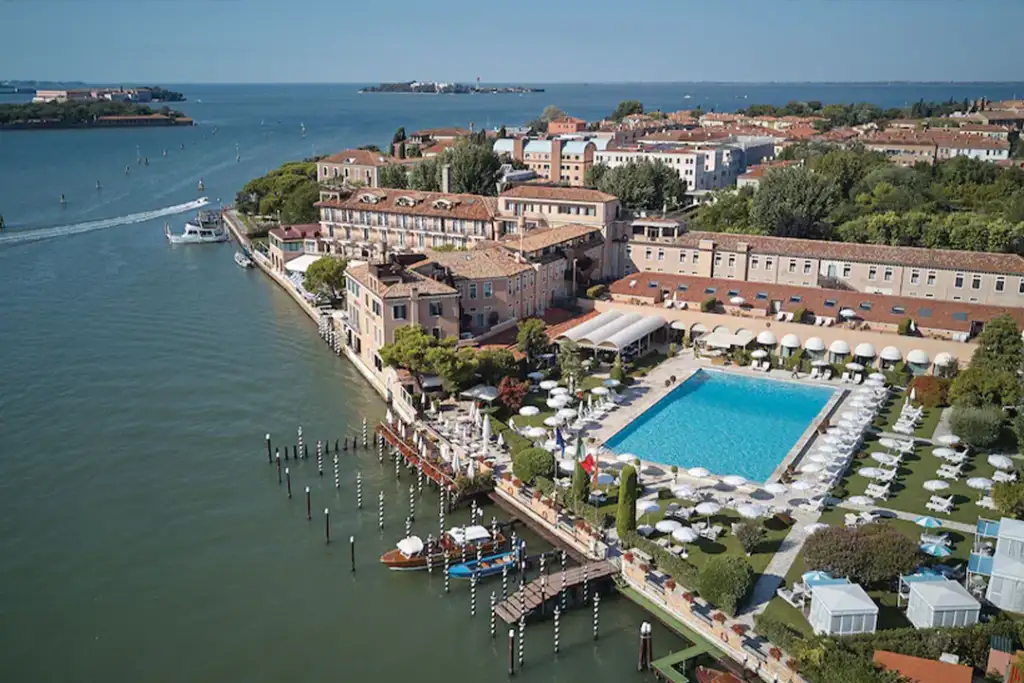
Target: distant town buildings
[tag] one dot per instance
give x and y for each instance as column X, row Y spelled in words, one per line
column 86, row 94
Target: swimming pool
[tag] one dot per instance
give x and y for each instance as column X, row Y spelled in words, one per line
column 728, row 423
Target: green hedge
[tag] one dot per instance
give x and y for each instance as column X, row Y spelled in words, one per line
column 515, row 442
column 970, row 643
column 532, row 463
column 597, row 291
column 684, row 573
column 778, row 632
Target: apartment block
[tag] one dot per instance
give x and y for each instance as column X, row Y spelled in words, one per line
column 666, row 246
column 556, row 160
column 357, row 167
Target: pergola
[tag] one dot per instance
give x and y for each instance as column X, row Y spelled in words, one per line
column 941, row 603
column 842, row 609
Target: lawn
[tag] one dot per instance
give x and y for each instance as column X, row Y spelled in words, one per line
column 889, row 615
column 908, row 494
column 888, row 416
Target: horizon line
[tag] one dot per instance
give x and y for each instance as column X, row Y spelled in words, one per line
column 525, row 82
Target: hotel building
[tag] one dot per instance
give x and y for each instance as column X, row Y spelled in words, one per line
column 351, row 167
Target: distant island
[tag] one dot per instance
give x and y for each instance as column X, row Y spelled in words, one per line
column 87, row 114
column 430, row 88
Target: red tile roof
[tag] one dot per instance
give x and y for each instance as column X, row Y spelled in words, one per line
column 944, row 259
column 296, row 232
column 359, row 157
column 952, row 316
column 919, row 670
column 415, row 203
column 572, row 194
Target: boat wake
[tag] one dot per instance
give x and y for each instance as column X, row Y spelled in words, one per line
column 91, row 226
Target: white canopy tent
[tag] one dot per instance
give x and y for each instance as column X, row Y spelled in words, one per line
column 481, row 392
column 637, row 331
column 864, row 350
column 842, row 609
column 941, row 603
column 891, row 354
column 767, row 338
column 815, row 346
column 725, row 340
column 594, row 337
column 918, row 361
column 1006, row 586
column 301, row 264
column 581, row 330
column 839, row 349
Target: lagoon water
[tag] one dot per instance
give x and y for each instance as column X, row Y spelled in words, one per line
column 142, row 534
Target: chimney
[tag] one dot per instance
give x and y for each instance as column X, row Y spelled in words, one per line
column 556, row 161
column 446, row 178
column 414, row 306
column 517, row 148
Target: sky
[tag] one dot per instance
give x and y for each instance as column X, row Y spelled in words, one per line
column 523, row 41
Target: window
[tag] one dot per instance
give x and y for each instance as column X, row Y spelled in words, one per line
column 472, row 290
column 898, row 310
column 435, row 309
column 795, row 299
column 847, row 269
column 754, row 260
column 377, row 309
column 652, row 284
column 696, row 259
column 807, row 267
column 958, row 281
column 710, row 290
column 399, row 311
column 732, row 260
column 761, row 296
column 718, row 259
column 488, row 290
column 682, row 256
column 887, row 275
column 769, row 263
column 924, row 313
column 792, row 265
column 931, row 278
column 976, row 282
column 682, row 288
column 661, row 254
column 830, row 303
column 872, row 273
column 865, row 306
column 915, row 277
column 1000, row 284
column 962, row 317
column 648, row 253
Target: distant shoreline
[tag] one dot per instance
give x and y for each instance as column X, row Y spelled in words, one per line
column 154, row 121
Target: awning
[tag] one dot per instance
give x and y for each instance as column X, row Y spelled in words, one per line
column 481, row 392
column 302, row 263
column 791, row 341
column 609, row 329
column 576, row 333
column 724, row 340
column 891, row 353
column 767, row 337
column 634, row 332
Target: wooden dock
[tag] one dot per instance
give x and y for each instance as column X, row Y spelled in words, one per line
column 540, row 591
column 431, row 465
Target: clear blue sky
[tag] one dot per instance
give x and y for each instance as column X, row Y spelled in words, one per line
column 227, row 41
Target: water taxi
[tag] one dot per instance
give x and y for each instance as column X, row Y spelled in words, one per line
column 208, row 226
column 485, row 566
column 410, row 554
column 243, row 260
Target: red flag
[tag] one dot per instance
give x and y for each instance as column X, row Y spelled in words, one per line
column 588, row 464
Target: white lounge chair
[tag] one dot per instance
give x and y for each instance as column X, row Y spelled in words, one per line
column 845, row 378
column 938, row 539
column 1001, row 476
column 938, row 507
column 986, row 502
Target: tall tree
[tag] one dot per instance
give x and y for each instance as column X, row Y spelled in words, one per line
column 792, row 202
column 399, row 136
column 326, row 276
column 474, row 168
column 580, row 490
column 641, row 185
column 410, row 347
column 394, row 176
column 531, row 338
column 426, row 175
column 627, row 108
column 569, row 361
column 496, row 364
column 1000, row 345
column 625, row 515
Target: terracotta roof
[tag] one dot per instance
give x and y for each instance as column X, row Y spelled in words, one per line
column 476, row 263
column 572, row 194
column 758, row 170
column 919, row 670
column 400, row 290
column 415, row 203
column 945, row 259
column 955, row 316
column 699, row 135
column 984, row 128
column 441, row 133
column 539, row 238
column 437, row 148
column 296, row 232
column 359, row 157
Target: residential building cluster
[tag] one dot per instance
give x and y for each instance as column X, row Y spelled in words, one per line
column 86, row 94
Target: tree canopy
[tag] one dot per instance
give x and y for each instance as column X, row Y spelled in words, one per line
column 725, row 580
column 646, row 185
column 627, row 108
column 792, row 202
column 394, row 176
column 326, row 276
column 625, row 514
column 993, row 377
column 532, row 338
column 474, row 169
column 867, row 554
column 569, row 361
column 291, row 190
column 550, row 113
column 75, row 113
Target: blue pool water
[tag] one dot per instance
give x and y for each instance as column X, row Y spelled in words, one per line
column 730, row 424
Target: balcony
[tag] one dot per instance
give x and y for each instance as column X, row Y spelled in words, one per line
column 827, row 282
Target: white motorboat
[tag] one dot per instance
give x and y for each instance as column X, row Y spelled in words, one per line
column 208, row 226
column 242, row 260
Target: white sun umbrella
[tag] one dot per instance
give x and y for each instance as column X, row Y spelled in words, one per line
column 698, row 472
column 775, row 487
column 734, row 480
column 750, row 511
column 1000, row 462
column 820, row 363
column 811, row 468
column 565, row 413
column 891, row 444
column 935, row 485
column 683, row 491
column 708, row 508
column 737, row 301
column 815, row 528
column 801, row 485
column 856, row 367
column 877, row 377
column 501, row 440
column 611, row 383
column 884, row 458
column 599, row 391
column 536, row 432
column 548, row 384
column 529, row 411
column 685, row 534
column 535, row 375
column 819, row 458
column 979, row 483
column 948, row 439
column 861, row 500
column 603, row 478
column 552, row 421
column 555, row 403
column 943, row 452
column 559, row 391
column 668, row 526
column 869, row 472
column 567, row 465
column 644, row 507
column 758, row 354
column 486, row 429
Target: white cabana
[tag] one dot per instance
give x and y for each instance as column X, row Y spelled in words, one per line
column 941, row 603
column 918, row 361
column 864, row 350
column 481, row 392
column 596, row 336
column 767, row 338
column 584, row 328
column 814, row 345
column 1006, row 585
column 302, row 263
column 842, row 609
column 637, row 331
column 725, row 340
column 944, row 359
column 839, row 348
column 790, row 341
column 891, row 354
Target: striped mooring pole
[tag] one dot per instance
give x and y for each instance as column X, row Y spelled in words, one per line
column 558, row 614
column 365, row 440
column 359, row 490
column 380, row 511
column 337, row 472
column 597, row 604
column 298, row 448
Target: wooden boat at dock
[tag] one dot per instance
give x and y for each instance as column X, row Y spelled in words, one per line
column 411, row 554
column 485, row 566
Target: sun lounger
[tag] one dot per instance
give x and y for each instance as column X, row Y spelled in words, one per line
column 936, row 507
column 877, row 492
column 851, row 519
column 986, row 502
column 845, row 378
column 1004, row 476
column 939, row 539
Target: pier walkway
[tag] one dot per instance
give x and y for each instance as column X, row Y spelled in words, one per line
column 548, row 587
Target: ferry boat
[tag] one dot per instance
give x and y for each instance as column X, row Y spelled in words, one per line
column 410, row 554
column 243, row 260
column 207, row 227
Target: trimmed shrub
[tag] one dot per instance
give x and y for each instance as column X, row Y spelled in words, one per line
column 800, row 315
column 724, row 580
column 673, row 350
column 684, row 573
column 618, row 372
column 514, row 441
column 544, row 485
column 980, row 427
column 777, row 631
column 625, row 516
column 709, row 305
column 930, row 391
column 898, row 375
column 868, row 554
column 750, row 534
column 532, row 463
column 741, row 357
column 596, row 292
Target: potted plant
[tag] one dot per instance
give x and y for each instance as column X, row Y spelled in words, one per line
column 536, row 495
column 719, row 617
column 670, row 584
column 739, row 629
column 506, row 476
column 688, row 597
column 791, row 664
column 675, row 472
column 645, row 567
column 775, row 653
column 628, row 556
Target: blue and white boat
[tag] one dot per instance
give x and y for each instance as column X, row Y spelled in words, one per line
column 485, row 566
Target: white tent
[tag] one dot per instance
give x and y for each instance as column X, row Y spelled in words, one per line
column 635, row 332
column 864, row 350
column 791, row 341
column 814, row 344
column 941, row 603
column 725, row 340
column 767, row 338
column 918, row 357
column 842, row 609
column 891, row 354
column 609, row 329
column 1006, row 586
column 581, row 330
column 302, row 263
column 839, row 347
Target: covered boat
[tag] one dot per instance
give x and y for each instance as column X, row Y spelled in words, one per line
column 208, row 226
column 410, row 553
